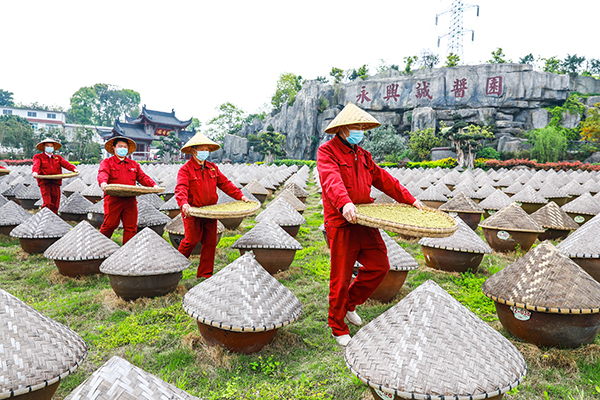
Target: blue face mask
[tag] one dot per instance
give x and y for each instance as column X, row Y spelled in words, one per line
column 49, row 150
column 355, row 137
column 122, row 151
column 202, row 154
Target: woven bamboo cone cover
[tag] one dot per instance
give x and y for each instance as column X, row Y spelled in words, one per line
column 551, row 216
column 429, row 345
column 13, row 214
column 461, row 203
column 405, row 229
column 543, row 280
column 584, row 242
column 399, row 258
column 242, row 297
column 464, row 240
column 82, row 243
column 59, row 176
column 118, row 190
column 205, row 212
column 282, row 213
column 513, row 218
column 43, row 225
column 35, row 350
column 119, row 379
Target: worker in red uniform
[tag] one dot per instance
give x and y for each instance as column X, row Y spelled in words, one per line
column 125, row 171
column 197, row 182
column 48, row 163
column 347, row 173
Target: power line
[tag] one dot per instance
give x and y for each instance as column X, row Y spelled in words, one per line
column 456, row 29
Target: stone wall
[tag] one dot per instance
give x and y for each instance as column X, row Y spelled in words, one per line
column 512, row 96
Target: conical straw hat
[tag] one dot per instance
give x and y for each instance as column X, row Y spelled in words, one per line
column 40, row 146
column 110, row 144
column 197, row 140
column 352, row 115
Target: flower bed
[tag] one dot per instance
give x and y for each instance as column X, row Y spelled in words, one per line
column 18, row 162
column 558, row 166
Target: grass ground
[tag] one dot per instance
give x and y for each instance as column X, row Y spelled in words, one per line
column 302, row 362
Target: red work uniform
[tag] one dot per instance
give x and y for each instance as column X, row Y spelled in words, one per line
column 126, row 172
column 347, row 174
column 50, row 164
column 197, row 186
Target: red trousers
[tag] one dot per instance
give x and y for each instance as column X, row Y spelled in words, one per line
column 349, row 244
column 50, row 196
column 120, row 209
column 204, row 231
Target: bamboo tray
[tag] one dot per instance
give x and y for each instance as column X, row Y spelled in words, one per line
column 212, row 213
column 119, row 190
column 4, row 171
column 59, row 176
column 405, row 228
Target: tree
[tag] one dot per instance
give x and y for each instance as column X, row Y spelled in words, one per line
column 528, row 59
column 571, row 64
column 593, row 67
column 466, row 140
column 80, row 145
column 15, row 132
column 229, row 121
column 548, row 145
column 195, row 125
column 497, row 57
column 452, row 60
column 551, row 64
column 6, row 98
column 590, row 128
column 422, row 141
column 271, row 145
column 362, row 73
column 288, row 86
column 385, row 143
column 428, row 59
column 408, row 61
column 168, row 147
column 337, row 74
column 101, row 104
column 322, row 79
column 384, row 66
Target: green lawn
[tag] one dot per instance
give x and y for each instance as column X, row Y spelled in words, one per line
column 302, row 362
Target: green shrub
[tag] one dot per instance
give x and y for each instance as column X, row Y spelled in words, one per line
column 548, row 144
column 422, row 141
column 385, row 143
column 311, row 163
column 488, row 152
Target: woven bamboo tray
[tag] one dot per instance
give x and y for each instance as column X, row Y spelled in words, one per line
column 207, row 212
column 4, row 171
column 119, row 190
column 406, row 229
column 59, row 176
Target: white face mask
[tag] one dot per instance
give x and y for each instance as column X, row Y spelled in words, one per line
column 49, row 150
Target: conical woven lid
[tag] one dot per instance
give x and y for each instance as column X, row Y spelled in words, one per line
column 464, row 240
column 76, row 185
column 584, row 204
column 148, row 215
column 96, row 208
column 290, row 198
column 399, row 258
column 93, row 190
column 176, row 226
column 256, row 188
column 267, row 235
column 352, row 115
column 43, row 225
column 117, row 379
column 13, row 214
column 383, row 199
column 467, row 191
column 171, row 204
column 432, row 193
column 268, row 183
column 552, row 217
column 296, row 189
column 512, row 218
column 514, row 188
column 243, row 296
column 143, row 255
column 30, row 193
column 199, row 139
column 153, row 199
column 13, row 190
column 282, row 213
column 544, row 280
column 35, row 350
column 461, row 203
column 495, row 201
column 485, row 191
column 429, row 345
column 529, row 195
column 3, row 200
column 551, row 191
column 75, row 204
column 574, row 189
column 82, row 243
column 592, row 186
column 584, row 242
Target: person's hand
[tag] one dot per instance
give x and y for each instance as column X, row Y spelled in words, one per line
column 34, row 174
column 76, row 170
column 245, row 199
column 155, row 186
column 185, row 209
column 349, row 212
column 418, row 204
column 103, row 186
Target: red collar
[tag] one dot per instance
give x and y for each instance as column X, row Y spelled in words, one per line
column 196, row 165
column 343, row 146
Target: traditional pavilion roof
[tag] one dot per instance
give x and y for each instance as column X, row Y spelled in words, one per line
column 132, row 131
column 158, row 118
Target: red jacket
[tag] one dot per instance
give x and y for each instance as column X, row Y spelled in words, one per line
column 346, row 177
column 126, row 172
column 44, row 164
column 197, row 184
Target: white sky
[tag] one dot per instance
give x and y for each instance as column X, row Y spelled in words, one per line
column 194, row 55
